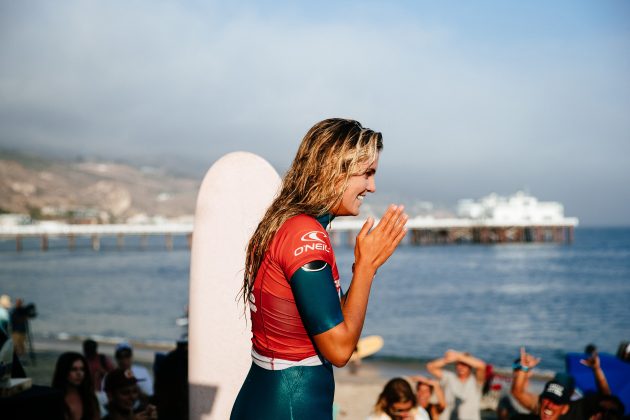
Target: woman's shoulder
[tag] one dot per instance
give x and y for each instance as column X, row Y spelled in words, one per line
column 301, row 222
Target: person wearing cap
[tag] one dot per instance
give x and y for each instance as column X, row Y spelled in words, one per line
column 124, row 359
column 462, row 389
column 123, row 395
column 555, row 400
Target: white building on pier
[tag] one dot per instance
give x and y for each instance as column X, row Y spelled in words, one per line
column 518, row 209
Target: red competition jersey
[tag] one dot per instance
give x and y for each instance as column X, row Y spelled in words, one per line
column 278, row 331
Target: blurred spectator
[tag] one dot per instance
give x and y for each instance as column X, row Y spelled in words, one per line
column 123, row 395
column 623, row 352
column 462, row 389
column 171, row 384
column 73, row 379
column 608, row 407
column 98, row 364
column 124, row 359
column 5, row 316
column 398, row 401
column 430, row 396
column 19, row 327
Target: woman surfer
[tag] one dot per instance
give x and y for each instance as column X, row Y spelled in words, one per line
column 301, row 322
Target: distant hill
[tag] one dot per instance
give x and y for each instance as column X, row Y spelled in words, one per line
column 90, row 190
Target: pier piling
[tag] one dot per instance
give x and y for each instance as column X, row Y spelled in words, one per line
column 96, row 242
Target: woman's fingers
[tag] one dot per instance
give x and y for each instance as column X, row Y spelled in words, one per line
column 400, row 236
column 386, row 221
column 391, row 228
column 377, row 245
column 366, row 228
column 392, row 221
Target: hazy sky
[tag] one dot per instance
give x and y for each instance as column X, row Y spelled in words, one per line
column 472, row 97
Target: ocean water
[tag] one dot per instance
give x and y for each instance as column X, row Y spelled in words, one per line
column 485, row 299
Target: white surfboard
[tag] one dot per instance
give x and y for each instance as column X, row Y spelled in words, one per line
column 232, row 200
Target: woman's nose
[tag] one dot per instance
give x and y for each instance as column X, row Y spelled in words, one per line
column 371, row 187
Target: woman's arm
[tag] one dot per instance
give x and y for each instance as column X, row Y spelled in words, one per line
column 371, row 251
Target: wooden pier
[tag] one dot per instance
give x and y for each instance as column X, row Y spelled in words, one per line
column 429, row 231
column 492, row 235
column 95, row 233
column 421, row 231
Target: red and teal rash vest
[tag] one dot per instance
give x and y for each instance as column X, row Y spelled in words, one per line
column 280, row 339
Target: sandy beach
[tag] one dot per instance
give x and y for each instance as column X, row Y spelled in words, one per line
column 355, row 392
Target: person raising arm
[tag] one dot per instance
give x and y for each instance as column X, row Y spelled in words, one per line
column 462, row 389
column 461, row 360
column 425, row 389
column 522, row 371
column 600, row 379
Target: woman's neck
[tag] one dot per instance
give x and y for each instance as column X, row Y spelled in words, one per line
column 325, row 219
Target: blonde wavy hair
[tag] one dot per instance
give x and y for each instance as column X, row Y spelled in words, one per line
column 331, row 152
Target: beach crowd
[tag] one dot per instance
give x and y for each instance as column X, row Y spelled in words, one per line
column 93, row 385
column 458, row 385
column 469, row 389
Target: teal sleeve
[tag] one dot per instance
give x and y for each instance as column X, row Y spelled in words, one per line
column 316, row 298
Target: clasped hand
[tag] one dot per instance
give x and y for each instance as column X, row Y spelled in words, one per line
column 374, row 247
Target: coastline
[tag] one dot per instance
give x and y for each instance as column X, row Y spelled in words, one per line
column 356, row 391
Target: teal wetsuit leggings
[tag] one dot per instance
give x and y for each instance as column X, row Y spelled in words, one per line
column 299, row 392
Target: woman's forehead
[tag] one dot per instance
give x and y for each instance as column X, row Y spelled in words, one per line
column 364, row 166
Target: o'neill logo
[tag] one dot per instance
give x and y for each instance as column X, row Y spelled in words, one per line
column 316, row 236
